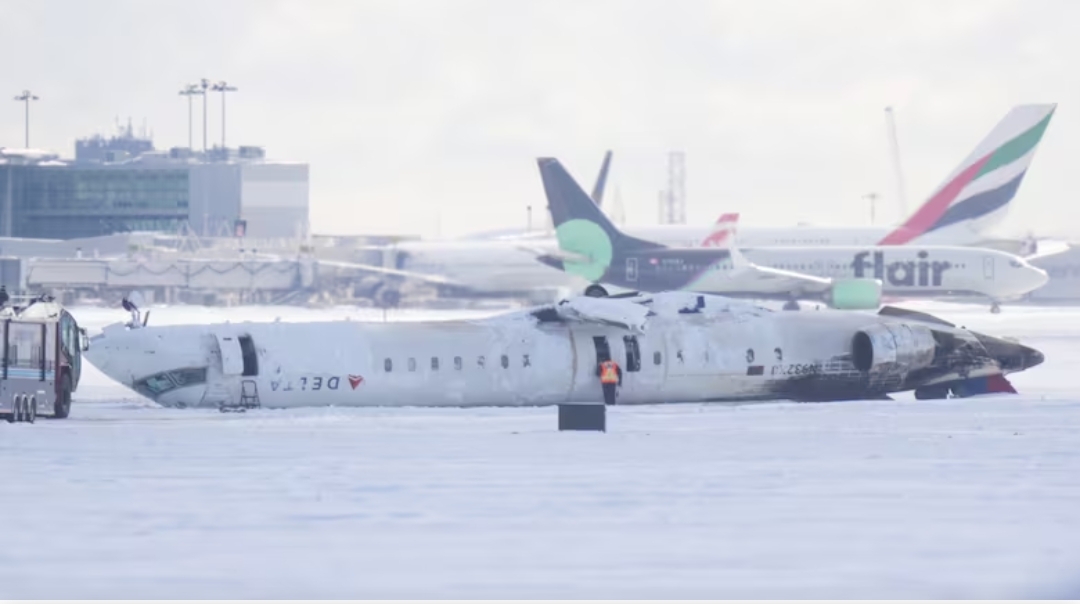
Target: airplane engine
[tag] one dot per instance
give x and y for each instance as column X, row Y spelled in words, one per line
column 386, row 295
column 855, row 294
column 893, row 348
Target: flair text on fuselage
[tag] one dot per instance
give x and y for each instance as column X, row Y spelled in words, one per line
column 924, row 273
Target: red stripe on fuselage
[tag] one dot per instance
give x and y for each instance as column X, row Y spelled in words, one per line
column 933, row 210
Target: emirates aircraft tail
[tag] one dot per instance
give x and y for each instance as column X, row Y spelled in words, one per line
column 976, row 196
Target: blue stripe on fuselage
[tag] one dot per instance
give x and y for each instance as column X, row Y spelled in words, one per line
column 674, row 269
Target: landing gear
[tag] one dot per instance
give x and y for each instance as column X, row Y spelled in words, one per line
column 995, row 308
column 386, row 296
column 596, row 291
column 791, row 305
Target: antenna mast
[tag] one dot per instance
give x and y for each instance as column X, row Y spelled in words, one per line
column 673, row 200
column 618, row 212
column 894, row 145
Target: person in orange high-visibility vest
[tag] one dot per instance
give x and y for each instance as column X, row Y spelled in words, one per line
column 610, row 377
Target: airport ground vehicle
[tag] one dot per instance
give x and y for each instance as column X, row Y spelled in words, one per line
column 40, row 359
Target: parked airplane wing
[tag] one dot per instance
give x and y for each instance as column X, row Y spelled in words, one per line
column 383, row 270
column 791, row 281
column 1046, row 248
column 546, row 256
column 725, row 235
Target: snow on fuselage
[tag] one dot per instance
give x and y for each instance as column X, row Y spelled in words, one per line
column 508, row 360
column 724, row 351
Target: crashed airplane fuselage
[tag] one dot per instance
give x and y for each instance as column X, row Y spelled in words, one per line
column 672, row 347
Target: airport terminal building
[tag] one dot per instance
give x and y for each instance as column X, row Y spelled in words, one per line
column 122, row 184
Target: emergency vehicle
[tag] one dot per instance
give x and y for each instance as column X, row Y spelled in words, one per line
column 40, row 359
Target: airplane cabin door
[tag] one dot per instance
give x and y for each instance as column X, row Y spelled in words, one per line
column 988, row 268
column 603, row 349
column 232, row 357
column 631, row 269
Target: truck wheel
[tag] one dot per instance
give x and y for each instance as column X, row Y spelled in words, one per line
column 62, row 406
column 31, row 409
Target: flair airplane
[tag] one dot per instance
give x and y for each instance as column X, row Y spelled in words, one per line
column 848, row 277
column 673, row 347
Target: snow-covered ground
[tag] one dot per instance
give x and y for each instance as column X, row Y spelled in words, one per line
column 908, row 499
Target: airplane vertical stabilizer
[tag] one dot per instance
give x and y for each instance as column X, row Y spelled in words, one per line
column 581, row 228
column 976, row 195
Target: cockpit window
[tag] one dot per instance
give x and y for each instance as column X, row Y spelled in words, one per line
column 155, row 385
column 1015, row 263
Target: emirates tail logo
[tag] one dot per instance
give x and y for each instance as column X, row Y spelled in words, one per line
column 355, row 380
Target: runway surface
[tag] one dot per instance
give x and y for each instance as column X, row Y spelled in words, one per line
column 974, row 498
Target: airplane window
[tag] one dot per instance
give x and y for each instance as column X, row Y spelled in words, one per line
column 185, row 377
column 412, row 364
column 388, row 365
column 457, row 363
column 656, row 358
column 505, row 361
column 480, row 361
column 434, row 363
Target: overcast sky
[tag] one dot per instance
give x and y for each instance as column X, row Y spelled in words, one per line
column 427, row 116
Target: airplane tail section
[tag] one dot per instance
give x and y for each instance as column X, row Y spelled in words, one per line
column 977, row 194
column 724, row 235
column 992, row 384
column 601, row 180
column 587, row 239
column 579, row 223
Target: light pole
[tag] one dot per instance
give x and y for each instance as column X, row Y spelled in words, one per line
column 203, row 85
column 223, row 87
column 189, row 91
column 872, row 197
column 26, row 97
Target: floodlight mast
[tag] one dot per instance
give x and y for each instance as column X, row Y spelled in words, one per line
column 223, row 87
column 189, row 91
column 25, row 98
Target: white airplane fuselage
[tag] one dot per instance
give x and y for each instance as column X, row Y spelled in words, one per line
column 909, row 271
column 725, row 351
column 497, row 266
column 689, row 235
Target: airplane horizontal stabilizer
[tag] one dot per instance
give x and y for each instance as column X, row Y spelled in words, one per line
column 546, row 256
column 991, row 384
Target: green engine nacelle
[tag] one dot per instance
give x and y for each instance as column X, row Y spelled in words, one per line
column 855, row 294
